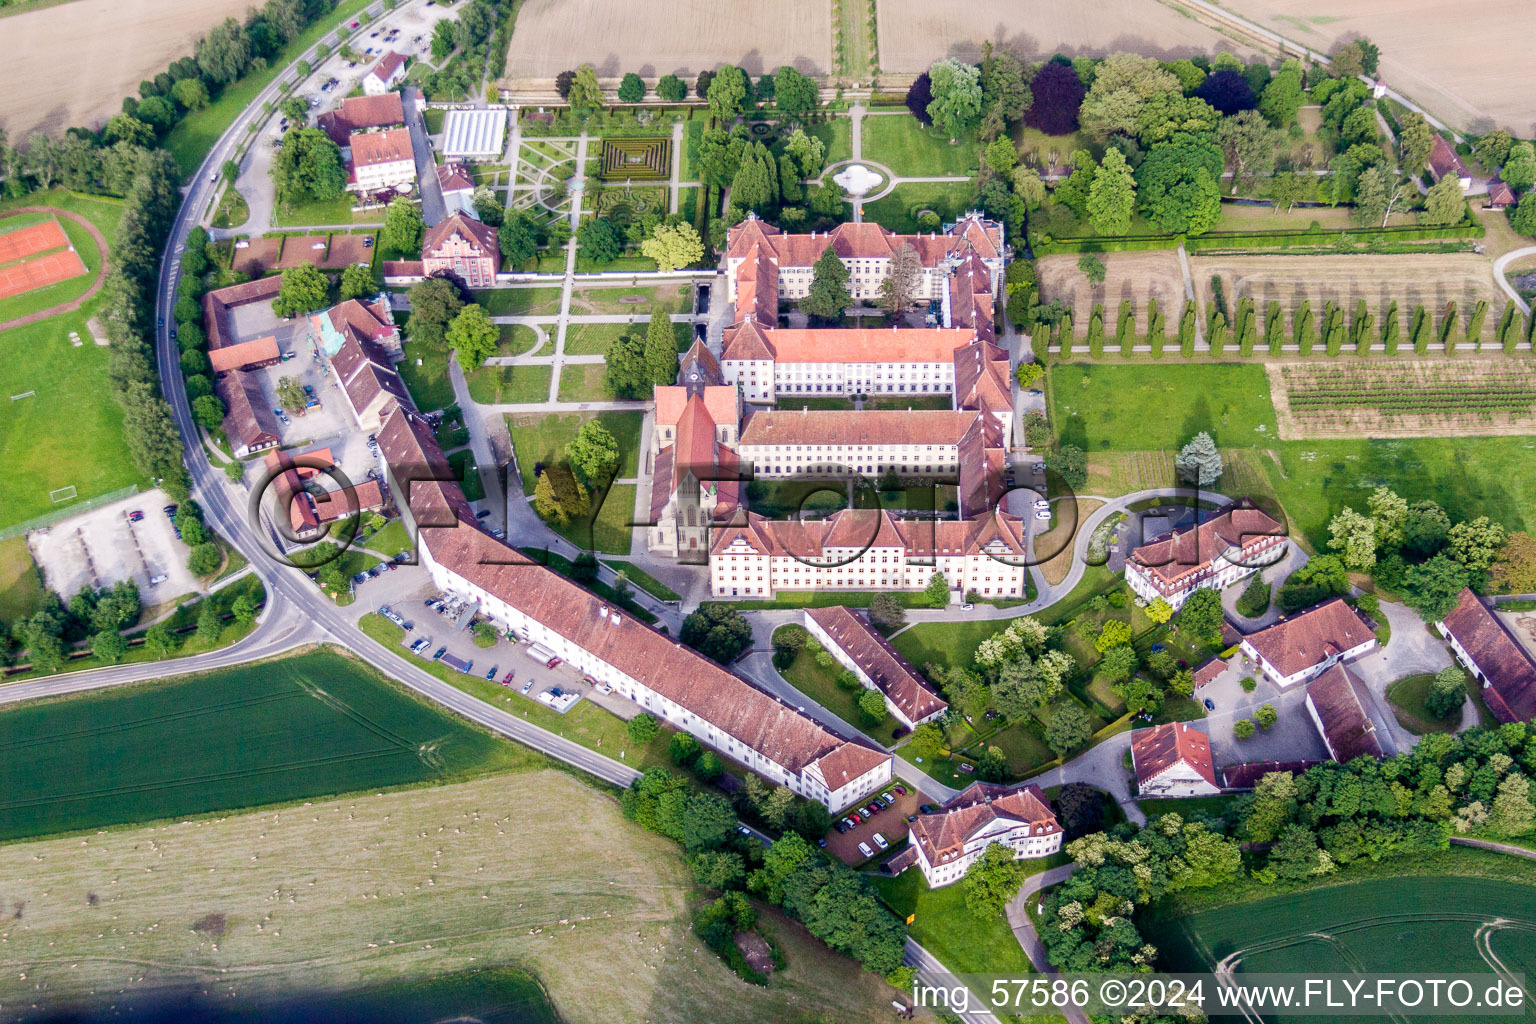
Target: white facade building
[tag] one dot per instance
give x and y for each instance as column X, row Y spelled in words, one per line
column 1235, row 542
column 1173, row 760
column 1303, row 647
column 946, row 844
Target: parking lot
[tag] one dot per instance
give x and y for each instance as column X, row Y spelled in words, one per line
column 891, row 823
column 101, row 547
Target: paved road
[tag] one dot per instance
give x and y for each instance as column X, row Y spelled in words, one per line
column 1503, row 283
column 434, row 209
column 931, row 972
column 1024, row 929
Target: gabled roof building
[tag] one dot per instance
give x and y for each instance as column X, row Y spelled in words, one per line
column 1494, row 657
column 463, row 247
column 1302, row 647
column 1227, row 545
column 875, row 663
column 949, row 842
column 1173, row 760
column 1333, row 701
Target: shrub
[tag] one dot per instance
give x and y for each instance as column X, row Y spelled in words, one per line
column 1255, row 599
column 1243, row 728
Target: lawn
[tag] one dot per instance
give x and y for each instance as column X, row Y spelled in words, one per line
column 539, row 439
column 232, row 210
column 391, row 540
column 463, row 465
column 584, row 382
column 500, row 384
column 518, row 339
column 425, row 372
column 898, row 211
column 327, row 213
column 21, row 586
column 607, row 528
column 912, row 151
column 593, row 339
column 1127, row 408
column 196, row 133
column 1407, row 699
column 836, row 135
column 46, row 450
column 947, row 644
column 645, row 581
column 820, row 684
column 519, row 301
column 641, row 301
column 963, row 942
column 301, row 726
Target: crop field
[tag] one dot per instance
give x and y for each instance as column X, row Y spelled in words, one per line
column 308, row 725
column 915, row 33
column 396, row 890
column 73, row 64
column 658, row 37
column 1423, row 925
column 1430, row 280
column 1137, row 276
column 1459, row 68
column 1404, row 399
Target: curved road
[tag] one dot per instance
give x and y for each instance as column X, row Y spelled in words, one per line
column 1503, row 282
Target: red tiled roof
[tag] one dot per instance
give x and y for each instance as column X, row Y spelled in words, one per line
column 1500, row 194
column 1156, row 750
column 1209, row 671
column 248, row 422
column 865, row 240
column 1178, row 554
column 849, row 426
column 699, row 367
column 889, row 671
column 454, row 177
column 1298, row 643
column 943, row 836
column 1348, row 731
column 358, row 112
column 1508, row 669
column 1247, row 774
column 244, row 354
column 481, row 237
column 386, row 147
column 851, row 345
column 865, row 528
column 217, row 304
column 1443, row 160
column 757, row 288
column 387, row 66
column 672, row 399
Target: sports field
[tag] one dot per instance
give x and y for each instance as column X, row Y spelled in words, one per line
column 1134, row 415
column 1413, row 926
column 22, row 290
column 59, row 426
column 308, row 725
column 401, row 893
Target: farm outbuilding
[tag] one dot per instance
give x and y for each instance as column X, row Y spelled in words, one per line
column 474, row 134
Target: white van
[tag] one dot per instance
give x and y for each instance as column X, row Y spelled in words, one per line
column 881, row 842
column 865, row 850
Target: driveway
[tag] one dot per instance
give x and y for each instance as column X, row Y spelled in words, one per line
column 433, row 208
column 1413, row 648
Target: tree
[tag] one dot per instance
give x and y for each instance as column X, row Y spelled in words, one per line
column 1091, row 267
column 1112, row 196
column 898, row 291
column 1415, row 141
column 1070, row 463
column 600, row 240
column 1114, row 633
column 671, row 88
column 1523, row 219
column 1177, row 186
column 191, row 93
column 593, row 452
column 204, row 559
column 1492, row 149
column 631, row 88
column 956, row 105
column 308, row 168
column 244, row 609
column 1443, row 203
column 1243, row 728
column 160, row 640
column 1118, row 663
column 304, row 290
column 1069, row 728
column 642, row 728
column 484, row 635
column 1250, row 145
column 1255, row 598
column 403, row 228
column 1447, row 693
column 627, row 375
column 356, row 282
column 564, row 82
column 795, row 95
column 717, row 632
column 208, row 411
column 1476, row 543
column 828, row 295
column 1321, row 578
column 1201, row 618
column 1159, row 611
column 928, row 741
column 442, row 41
column 992, row 881
column 1519, row 170
column 1266, row 715
column 1199, row 461
column 871, row 707
column 683, row 749
column 919, row 95
column 518, row 238
column 1058, row 95
column 660, row 349
column 109, row 646
column 1074, row 191
column 1512, row 811
column 1228, row 92
column 887, row 614
column 586, row 94
column 1514, row 571
column 1434, row 588
column 1354, row 535
column 559, row 497
column 727, row 94
column 673, row 246
column 473, row 336
column 291, row 394
column 936, row 593
column 1283, row 96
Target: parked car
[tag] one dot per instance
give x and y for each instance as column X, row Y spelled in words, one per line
column 1210, row 705
column 157, row 579
column 822, row 843
column 1042, row 503
column 865, row 850
column 482, row 513
column 967, row 606
column 135, row 516
column 900, row 790
column 841, row 828
column 929, row 809
column 881, row 841
column 170, row 511
column 506, row 680
column 526, row 687
column 1042, row 514
column 440, row 652
column 743, row 830
column 492, row 673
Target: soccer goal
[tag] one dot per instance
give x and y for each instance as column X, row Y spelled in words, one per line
column 63, row 494
column 24, row 394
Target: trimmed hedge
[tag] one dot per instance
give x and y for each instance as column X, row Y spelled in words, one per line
column 1258, row 239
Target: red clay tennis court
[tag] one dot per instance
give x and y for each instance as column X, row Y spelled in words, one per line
column 31, row 240
column 40, row 272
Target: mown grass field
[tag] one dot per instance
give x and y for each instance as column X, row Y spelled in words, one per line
column 499, row 384
column 404, row 893
column 1144, row 413
column 540, row 439
column 44, row 450
column 896, row 211
column 912, row 151
column 1380, row 925
column 303, row 726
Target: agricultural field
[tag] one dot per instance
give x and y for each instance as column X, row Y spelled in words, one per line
column 1438, row 398
column 42, row 358
column 915, row 33
column 657, row 37
column 303, row 726
column 1459, row 68
column 1409, row 279
column 1137, row 276
column 110, row 48
column 1433, row 923
column 473, row 893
